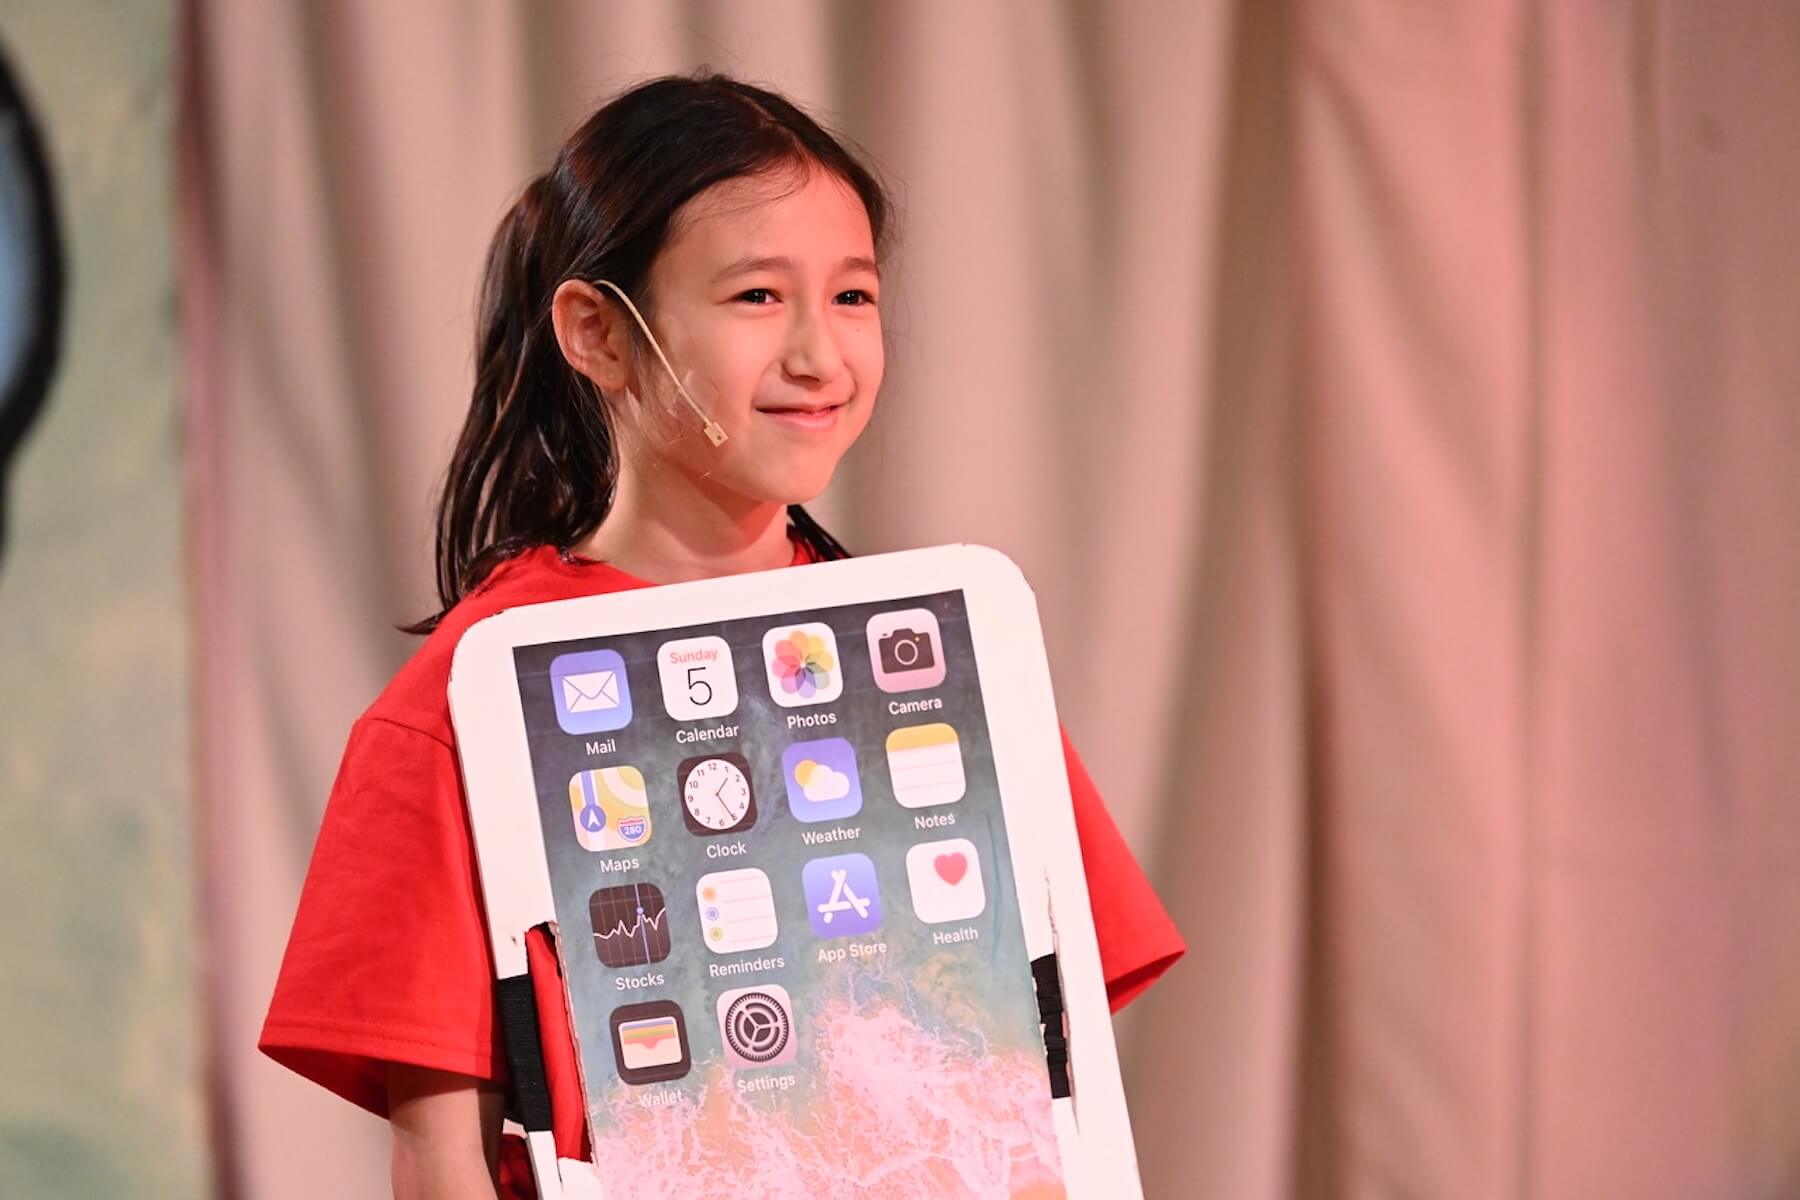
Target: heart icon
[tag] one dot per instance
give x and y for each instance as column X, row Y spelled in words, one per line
column 951, row 868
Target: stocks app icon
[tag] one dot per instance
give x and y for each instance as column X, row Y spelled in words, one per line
column 631, row 925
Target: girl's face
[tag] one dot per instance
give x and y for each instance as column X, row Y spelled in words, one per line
column 764, row 297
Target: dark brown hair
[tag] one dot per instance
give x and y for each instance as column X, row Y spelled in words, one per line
column 536, row 463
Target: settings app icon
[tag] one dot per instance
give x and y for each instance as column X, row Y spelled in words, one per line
column 757, row 1026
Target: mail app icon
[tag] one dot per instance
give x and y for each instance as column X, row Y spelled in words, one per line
column 593, row 694
column 592, row 691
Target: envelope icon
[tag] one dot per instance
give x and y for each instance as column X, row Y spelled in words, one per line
column 591, row 691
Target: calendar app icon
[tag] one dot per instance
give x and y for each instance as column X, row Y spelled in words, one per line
column 698, row 680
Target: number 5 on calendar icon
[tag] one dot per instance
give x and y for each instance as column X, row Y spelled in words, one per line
column 698, row 680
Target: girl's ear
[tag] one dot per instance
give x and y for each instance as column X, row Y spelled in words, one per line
column 594, row 333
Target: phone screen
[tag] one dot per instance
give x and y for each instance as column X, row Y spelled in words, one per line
column 787, row 916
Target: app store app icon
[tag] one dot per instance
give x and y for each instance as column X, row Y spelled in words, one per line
column 842, row 897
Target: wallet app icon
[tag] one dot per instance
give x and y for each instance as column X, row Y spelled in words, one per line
column 592, row 694
column 650, row 1042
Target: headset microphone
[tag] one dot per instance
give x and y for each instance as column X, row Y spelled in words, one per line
column 710, row 427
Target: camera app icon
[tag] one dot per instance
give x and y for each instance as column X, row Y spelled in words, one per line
column 906, row 651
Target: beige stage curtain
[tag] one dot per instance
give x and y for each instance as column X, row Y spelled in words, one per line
column 1396, row 407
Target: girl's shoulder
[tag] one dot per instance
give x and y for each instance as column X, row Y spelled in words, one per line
column 417, row 697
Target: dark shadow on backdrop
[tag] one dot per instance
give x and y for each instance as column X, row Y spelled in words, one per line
column 31, row 277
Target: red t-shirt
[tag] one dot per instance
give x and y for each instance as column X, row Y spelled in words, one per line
column 389, row 962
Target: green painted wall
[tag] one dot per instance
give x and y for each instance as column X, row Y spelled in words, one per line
column 99, row 1050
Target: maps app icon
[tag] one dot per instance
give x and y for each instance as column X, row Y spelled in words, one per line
column 610, row 807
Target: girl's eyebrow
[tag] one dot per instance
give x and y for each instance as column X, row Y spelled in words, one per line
column 745, row 266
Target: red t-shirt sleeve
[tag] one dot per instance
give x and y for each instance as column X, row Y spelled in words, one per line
column 1138, row 941
column 388, row 961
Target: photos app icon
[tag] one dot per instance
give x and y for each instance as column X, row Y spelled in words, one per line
column 803, row 665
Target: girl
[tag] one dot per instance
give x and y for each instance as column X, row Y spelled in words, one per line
column 750, row 241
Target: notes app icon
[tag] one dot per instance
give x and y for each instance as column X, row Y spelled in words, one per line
column 925, row 763
column 611, row 809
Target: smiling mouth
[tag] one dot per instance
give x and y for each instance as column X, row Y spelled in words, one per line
column 807, row 416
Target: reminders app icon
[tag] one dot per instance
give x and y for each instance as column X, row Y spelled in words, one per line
column 650, row 1042
column 592, row 695
column 737, row 910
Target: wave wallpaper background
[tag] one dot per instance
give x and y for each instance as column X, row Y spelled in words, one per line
column 913, row 1062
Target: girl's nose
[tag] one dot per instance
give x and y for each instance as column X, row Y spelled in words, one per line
column 812, row 349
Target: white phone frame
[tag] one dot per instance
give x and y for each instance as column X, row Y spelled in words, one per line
column 1093, row 1127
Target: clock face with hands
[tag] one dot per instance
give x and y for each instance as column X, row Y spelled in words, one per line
column 716, row 795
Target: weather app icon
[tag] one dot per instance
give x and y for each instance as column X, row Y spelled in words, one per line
column 821, row 778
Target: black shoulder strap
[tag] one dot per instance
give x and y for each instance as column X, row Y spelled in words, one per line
column 1045, row 973
column 529, row 1100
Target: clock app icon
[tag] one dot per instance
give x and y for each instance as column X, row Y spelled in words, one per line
column 715, row 794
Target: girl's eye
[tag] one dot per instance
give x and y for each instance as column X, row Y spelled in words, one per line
column 855, row 297
column 756, row 296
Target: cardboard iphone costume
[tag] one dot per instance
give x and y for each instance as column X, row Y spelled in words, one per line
column 806, row 839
